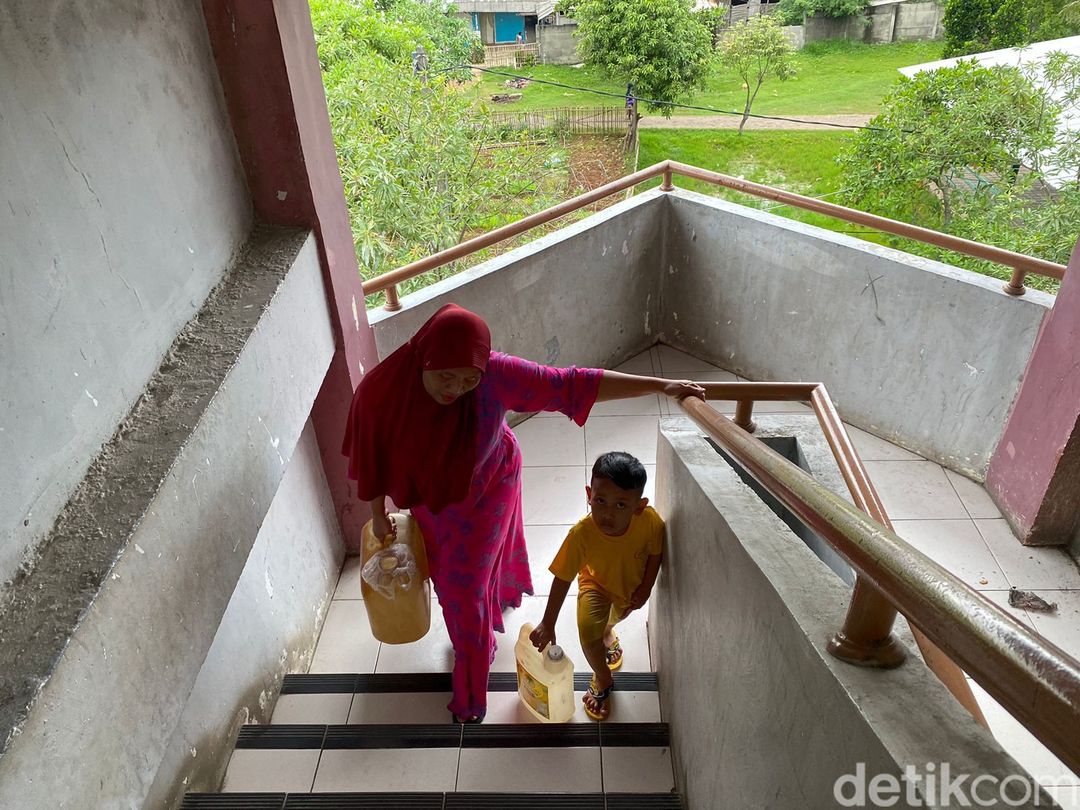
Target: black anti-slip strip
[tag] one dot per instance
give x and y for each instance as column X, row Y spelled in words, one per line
column 644, row 801
column 439, row 682
column 451, row 735
column 531, row 735
column 523, row 801
column 431, row 801
column 233, row 801
column 634, row 735
column 319, row 684
column 281, row 736
column 364, row 801
column 624, row 681
column 441, row 735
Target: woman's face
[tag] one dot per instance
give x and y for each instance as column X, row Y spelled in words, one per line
column 447, row 384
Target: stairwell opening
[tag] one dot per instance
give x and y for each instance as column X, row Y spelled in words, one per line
column 789, row 448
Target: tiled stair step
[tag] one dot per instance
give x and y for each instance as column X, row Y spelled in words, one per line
column 438, row 682
column 449, row 735
column 431, row 801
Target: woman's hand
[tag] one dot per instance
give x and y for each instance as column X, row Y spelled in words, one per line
column 679, row 389
column 383, row 526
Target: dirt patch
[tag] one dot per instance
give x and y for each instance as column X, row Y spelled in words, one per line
column 594, row 161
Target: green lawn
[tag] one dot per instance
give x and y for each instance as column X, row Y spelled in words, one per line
column 803, row 162
column 834, row 77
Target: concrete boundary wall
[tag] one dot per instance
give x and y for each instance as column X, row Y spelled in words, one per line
column 123, row 205
column 738, row 623
column 139, row 570
column 923, row 354
column 586, row 295
column 270, row 628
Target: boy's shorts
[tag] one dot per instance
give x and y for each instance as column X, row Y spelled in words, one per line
column 595, row 611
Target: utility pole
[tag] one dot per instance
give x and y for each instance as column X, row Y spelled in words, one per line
column 420, row 63
column 632, row 118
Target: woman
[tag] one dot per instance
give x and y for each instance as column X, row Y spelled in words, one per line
column 427, row 428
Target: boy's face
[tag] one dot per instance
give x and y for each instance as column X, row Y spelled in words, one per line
column 613, row 507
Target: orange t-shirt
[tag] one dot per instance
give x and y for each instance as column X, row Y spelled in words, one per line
column 614, row 566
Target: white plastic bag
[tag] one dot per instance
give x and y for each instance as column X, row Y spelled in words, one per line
column 390, row 569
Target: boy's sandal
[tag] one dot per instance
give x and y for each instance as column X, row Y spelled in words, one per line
column 600, row 698
column 614, row 655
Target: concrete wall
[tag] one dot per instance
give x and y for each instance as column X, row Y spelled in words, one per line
column 269, row 628
column 796, row 35
column 883, row 23
column 819, row 28
column 543, row 301
column 123, row 201
column 785, row 719
column 918, row 21
column 558, row 44
column 125, row 603
column 926, row 355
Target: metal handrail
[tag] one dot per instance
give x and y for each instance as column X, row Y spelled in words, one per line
column 1032, row 678
column 1020, row 263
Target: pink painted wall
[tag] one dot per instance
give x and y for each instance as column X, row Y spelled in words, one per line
column 269, row 69
column 1034, row 474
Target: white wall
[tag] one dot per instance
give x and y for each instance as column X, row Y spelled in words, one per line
column 121, row 202
column 921, row 353
column 269, row 628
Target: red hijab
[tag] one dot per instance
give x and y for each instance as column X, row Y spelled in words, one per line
column 399, row 440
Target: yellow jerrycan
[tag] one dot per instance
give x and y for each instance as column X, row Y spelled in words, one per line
column 394, row 582
column 545, row 679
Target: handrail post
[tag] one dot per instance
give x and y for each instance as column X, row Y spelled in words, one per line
column 744, row 412
column 667, row 185
column 393, row 303
column 1015, row 285
column 866, row 639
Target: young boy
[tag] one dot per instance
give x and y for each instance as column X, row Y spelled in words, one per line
column 615, row 553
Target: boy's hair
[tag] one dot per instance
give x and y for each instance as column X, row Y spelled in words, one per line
column 621, row 469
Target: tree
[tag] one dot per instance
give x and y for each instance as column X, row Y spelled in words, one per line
column 757, row 49
column 794, row 11
column 967, row 26
column 1010, row 25
column 978, row 25
column 944, row 137
column 413, row 154
column 965, row 150
column 659, row 46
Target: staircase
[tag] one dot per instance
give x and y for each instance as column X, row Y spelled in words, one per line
column 384, row 739
column 379, row 758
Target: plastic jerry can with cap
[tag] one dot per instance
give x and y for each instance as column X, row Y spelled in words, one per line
column 545, row 679
column 394, row 582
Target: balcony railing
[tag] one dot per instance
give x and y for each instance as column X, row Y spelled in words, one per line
column 1021, row 265
column 1035, row 680
column 955, row 626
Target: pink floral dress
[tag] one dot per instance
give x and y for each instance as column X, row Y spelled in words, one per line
column 476, row 548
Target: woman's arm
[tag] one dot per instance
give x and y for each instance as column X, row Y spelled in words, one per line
column 616, row 385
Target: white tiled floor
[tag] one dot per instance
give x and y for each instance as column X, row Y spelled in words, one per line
column 948, row 517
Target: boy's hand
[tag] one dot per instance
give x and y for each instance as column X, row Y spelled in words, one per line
column 542, row 636
column 638, row 598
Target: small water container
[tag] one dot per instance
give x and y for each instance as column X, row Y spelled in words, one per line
column 394, row 583
column 545, row 679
